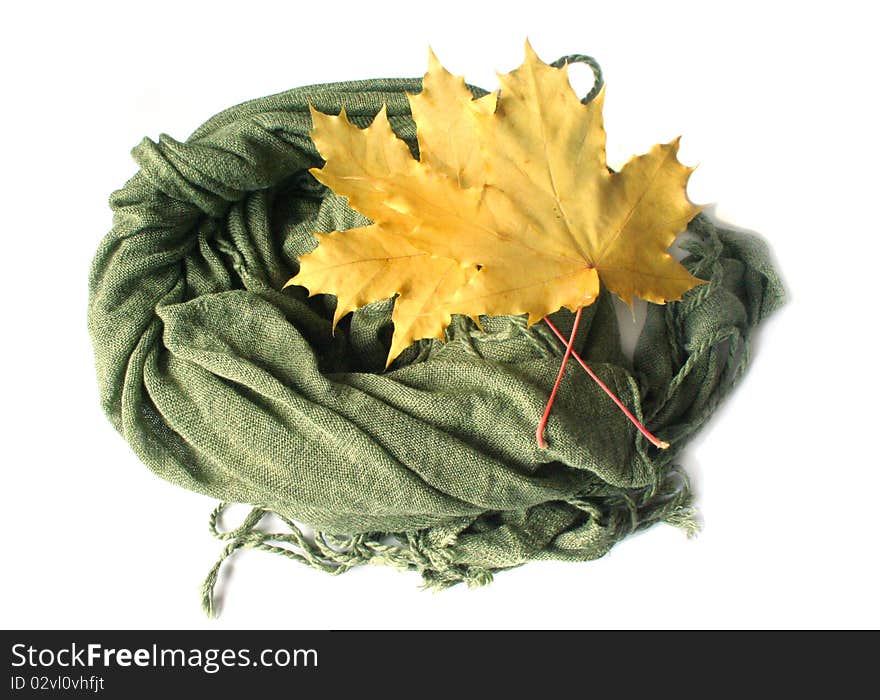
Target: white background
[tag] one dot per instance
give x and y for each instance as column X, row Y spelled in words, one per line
column 776, row 101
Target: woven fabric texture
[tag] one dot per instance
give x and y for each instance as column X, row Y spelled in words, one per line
column 224, row 384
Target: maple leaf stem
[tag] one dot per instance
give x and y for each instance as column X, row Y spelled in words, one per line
column 539, row 433
column 662, row 444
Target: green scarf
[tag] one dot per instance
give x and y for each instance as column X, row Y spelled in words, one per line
column 226, row 385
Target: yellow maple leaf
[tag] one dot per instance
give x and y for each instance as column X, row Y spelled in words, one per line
column 511, row 208
column 375, row 262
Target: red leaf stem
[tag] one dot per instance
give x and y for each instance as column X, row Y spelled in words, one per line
column 539, row 433
column 569, row 351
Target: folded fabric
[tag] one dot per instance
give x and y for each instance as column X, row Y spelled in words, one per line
column 224, row 384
